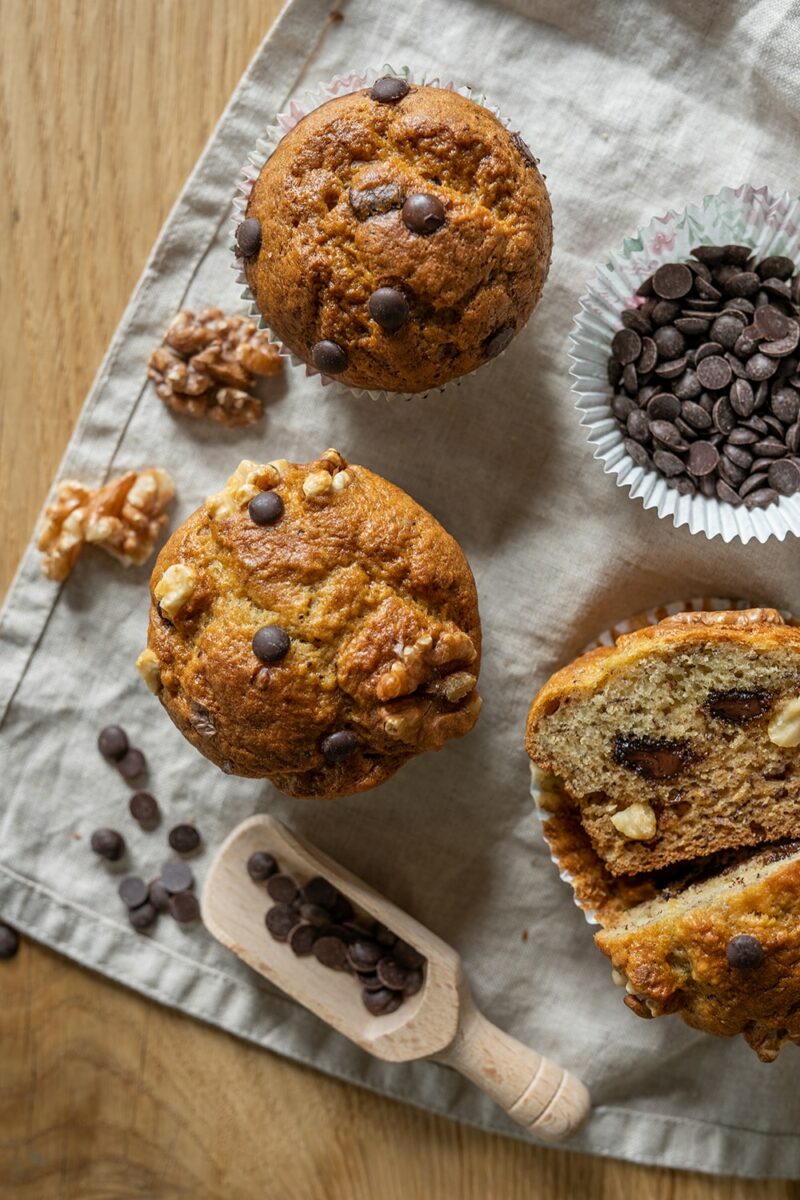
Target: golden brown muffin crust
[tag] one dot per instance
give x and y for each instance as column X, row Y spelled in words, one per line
column 376, row 598
column 329, row 204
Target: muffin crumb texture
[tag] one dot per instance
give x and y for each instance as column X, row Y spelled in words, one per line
column 403, row 240
column 313, row 625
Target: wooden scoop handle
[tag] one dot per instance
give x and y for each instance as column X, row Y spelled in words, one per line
column 533, row 1090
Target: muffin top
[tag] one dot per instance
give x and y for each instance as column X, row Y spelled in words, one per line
column 398, row 237
column 313, row 625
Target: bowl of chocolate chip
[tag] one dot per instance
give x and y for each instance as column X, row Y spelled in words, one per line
column 686, row 365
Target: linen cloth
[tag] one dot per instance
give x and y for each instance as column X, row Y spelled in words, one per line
column 633, row 108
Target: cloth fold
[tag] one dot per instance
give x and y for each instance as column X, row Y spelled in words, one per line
column 633, row 108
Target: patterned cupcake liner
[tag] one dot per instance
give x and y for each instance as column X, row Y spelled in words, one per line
column 299, row 107
column 768, row 222
column 539, row 778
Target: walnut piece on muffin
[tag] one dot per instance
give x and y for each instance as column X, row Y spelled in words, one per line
column 398, row 237
column 123, row 517
column 313, row 625
column 681, row 740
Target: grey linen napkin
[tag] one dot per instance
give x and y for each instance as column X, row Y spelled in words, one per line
column 633, row 108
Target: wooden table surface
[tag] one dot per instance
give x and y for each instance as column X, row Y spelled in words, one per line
column 103, row 1095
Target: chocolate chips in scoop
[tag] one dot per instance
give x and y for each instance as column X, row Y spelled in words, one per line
column 706, row 376
column 315, row 919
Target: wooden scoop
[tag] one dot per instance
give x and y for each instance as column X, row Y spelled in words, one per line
column 441, row 1022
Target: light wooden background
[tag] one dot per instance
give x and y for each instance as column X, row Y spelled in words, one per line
column 105, row 106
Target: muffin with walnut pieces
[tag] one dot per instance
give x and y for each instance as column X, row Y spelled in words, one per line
column 312, row 625
column 398, row 237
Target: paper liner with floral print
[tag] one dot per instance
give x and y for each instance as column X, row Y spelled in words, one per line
column 601, row 896
column 299, row 107
column 757, row 217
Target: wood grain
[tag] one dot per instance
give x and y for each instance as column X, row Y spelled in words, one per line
column 105, row 105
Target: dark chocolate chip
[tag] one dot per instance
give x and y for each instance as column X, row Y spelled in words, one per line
column 744, row 952
column 280, row 921
column 785, row 404
column 726, row 330
column 261, row 865
column 666, row 433
column 672, row 280
column 389, row 308
column 714, row 372
column 665, row 312
column 392, row 974
column 132, row 765
column 143, row 917
column 340, row 745
column 271, row 643
column 407, row 955
column 688, row 387
column 634, row 318
column 771, row 322
column 248, row 237
column 652, row 758
column 315, row 915
column 372, row 202
column 282, row 888
column 112, row 742
column 637, row 453
column 669, row 341
column 158, row 895
column 388, row 89
column 364, row 954
column 738, row 706
column 108, row 844
column 761, row 498
column 302, row 939
column 777, row 266
column 184, row 907
column 697, row 416
column 497, row 342
column 742, row 398
column 329, row 357
column 784, row 477
column 726, row 493
column 423, row 213
column 663, row 407
column 184, row 838
column 786, row 345
column 331, row 952
column 9, row 941
column 530, row 158
column 668, row 463
column 144, row 809
column 626, row 346
column 648, row 358
column 320, row 891
column 760, row 366
column 177, row 877
column 381, row 1002
column 703, row 458
column 414, row 980
column 266, row 508
column 133, row 891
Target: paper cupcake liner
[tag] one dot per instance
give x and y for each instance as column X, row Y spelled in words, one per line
column 299, row 107
column 608, row 638
column 770, row 223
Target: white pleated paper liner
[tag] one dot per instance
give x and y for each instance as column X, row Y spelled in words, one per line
column 757, row 217
column 299, row 107
column 542, row 783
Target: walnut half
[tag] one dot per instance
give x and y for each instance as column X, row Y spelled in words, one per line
column 123, row 517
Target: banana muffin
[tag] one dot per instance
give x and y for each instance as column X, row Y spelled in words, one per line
column 313, row 625
column 398, row 237
column 680, row 741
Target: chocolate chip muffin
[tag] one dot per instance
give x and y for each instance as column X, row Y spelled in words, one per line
column 680, row 741
column 398, row 237
column 312, row 625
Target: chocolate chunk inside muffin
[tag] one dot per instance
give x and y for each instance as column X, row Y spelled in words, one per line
column 321, row 641
column 397, row 244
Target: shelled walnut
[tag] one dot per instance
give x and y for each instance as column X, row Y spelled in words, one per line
column 208, row 363
column 124, row 518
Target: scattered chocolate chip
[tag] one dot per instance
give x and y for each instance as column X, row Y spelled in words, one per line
column 389, row 308
column 652, row 758
column 672, row 280
column 372, row 202
column 112, row 742
column 261, row 865
column 282, row 888
column 108, row 844
column 738, row 706
column 184, row 839
column 744, row 952
column 321, row 892
column 329, row 358
column 144, row 809
column 423, row 213
column 497, row 342
column 184, row 907
column 158, row 895
column 281, row 920
column 266, row 508
column 177, row 877
column 302, row 939
column 9, row 941
column 248, row 237
column 133, row 891
column 530, row 158
column 132, row 765
column 144, row 916
column 338, row 746
column 389, row 89
column 271, row 643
